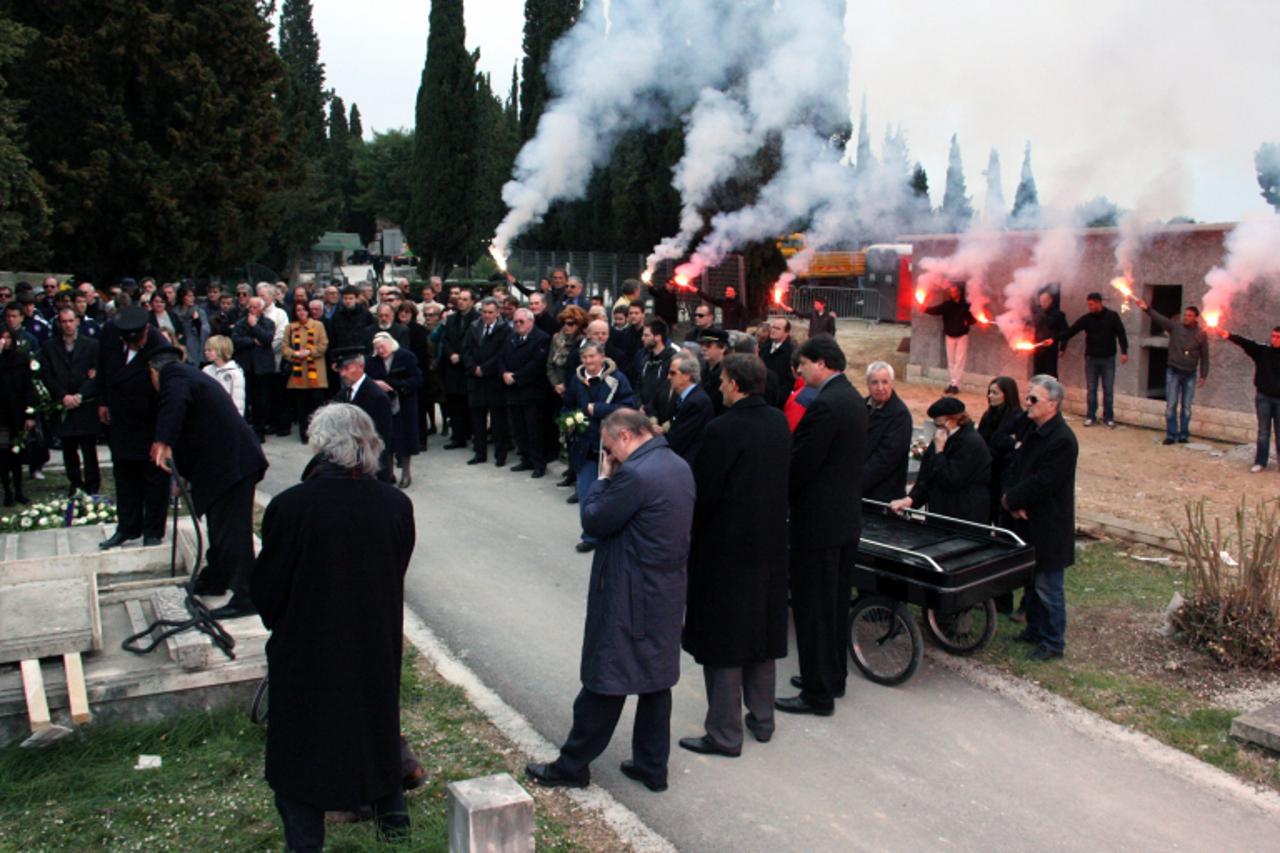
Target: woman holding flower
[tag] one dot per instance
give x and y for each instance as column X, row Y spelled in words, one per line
column 17, row 414
column 564, row 344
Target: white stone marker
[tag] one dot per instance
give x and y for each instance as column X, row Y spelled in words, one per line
column 492, row 814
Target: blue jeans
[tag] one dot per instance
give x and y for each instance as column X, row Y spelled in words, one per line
column 1268, row 416
column 1178, row 386
column 1104, row 369
column 587, row 473
column 1047, row 610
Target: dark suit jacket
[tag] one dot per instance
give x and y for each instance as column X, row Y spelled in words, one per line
column 827, row 455
column 253, row 346
column 690, row 418
column 453, row 342
column 822, row 324
column 377, row 405
column 126, row 391
column 884, row 476
column 1043, row 482
column 482, row 351
column 73, row 372
column 956, row 481
column 213, row 447
column 528, row 361
column 779, row 364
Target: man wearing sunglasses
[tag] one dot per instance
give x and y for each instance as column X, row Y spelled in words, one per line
column 1041, row 497
column 704, row 317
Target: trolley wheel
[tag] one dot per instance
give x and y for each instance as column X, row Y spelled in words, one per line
column 964, row 632
column 258, row 710
column 884, row 639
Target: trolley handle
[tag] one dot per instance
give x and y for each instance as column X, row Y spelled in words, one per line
column 920, row 514
column 933, row 564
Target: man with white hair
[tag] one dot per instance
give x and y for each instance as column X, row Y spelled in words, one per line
column 359, row 390
column 884, row 474
column 522, row 365
column 692, row 409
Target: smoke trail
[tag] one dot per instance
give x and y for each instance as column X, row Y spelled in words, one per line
column 1054, row 262
column 970, row 263
column 1253, row 253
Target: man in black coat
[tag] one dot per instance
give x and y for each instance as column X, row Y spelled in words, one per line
column 1050, row 327
column 777, row 358
column 252, row 337
column 334, row 654
column 1042, row 493
column 639, row 511
column 71, row 367
column 452, row 343
column 821, row 321
column 736, row 617
column 1103, row 333
column 360, row 391
column 199, row 430
column 884, row 476
column 692, row 409
column 827, row 455
column 127, row 404
column 955, row 473
column 484, row 343
column 666, row 305
column 956, row 321
column 652, row 364
column 715, row 345
column 352, row 325
column 523, row 367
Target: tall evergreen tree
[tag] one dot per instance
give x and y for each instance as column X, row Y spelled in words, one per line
column 303, row 98
column 512, row 106
column 1026, row 201
column 156, row 158
column 355, row 126
column 444, row 164
column 920, row 183
column 866, row 160
column 544, row 22
column 1267, row 161
column 24, row 214
column 993, row 204
column 956, row 207
column 342, row 171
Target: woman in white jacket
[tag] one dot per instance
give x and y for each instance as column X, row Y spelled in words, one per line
column 218, row 351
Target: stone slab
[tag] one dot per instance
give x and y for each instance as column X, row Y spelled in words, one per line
column 492, row 814
column 1260, row 728
column 191, row 649
column 47, row 618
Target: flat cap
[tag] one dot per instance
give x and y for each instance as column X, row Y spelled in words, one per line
column 946, row 407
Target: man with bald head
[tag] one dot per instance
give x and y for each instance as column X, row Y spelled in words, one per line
column 522, row 365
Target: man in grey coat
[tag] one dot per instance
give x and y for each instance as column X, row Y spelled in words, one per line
column 640, row 511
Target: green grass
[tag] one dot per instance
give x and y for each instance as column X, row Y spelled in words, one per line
column 1105, row 582
column 82, row 793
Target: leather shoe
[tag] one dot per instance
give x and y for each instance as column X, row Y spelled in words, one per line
column 455, row 445
column 115, row 540
column 798, row 683
column 207, row 587
column 500, row 461
column 1026, row 637
column 477, row 460
column 233, row 610
column 705, row 746
column 758, row 732
column 585, row 547
column 1043, row 652
column 566, row 481
column 522, row 466
column 572, row 499
column 797, row 705
column 152, row 540
column 630, row 770
column 538, row 474
column 549, row 776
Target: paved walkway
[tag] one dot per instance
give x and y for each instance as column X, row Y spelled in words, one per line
column 939, row 762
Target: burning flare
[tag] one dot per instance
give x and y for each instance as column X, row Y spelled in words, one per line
column 1121, row 284
column 921, row 295
column 1025, row 345
column 499, row 256
column 779, row 292
column 646, row 276
column 1212, row 318
column 983, row 317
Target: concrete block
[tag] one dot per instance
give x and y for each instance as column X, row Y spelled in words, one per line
column 191, row 649
column 1260, row 728
column 48, row 618
column 492, row 814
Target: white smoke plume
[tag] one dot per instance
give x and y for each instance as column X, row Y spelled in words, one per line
column 1054, row 263
column 1163, row 197
column 1253, row 253
column 970, row 263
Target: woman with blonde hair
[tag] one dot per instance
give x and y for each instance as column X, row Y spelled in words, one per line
column 302, row 353
column 218, row 350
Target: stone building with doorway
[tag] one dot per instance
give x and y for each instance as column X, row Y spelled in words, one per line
column 1169, row 273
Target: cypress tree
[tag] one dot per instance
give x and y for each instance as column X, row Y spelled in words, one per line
column 155, row 131
column 544, row 22
column 993, row 204
column 865, row 161
column 342, row 171
column 444, row 164
column 355, row 126
column 24, row 215
column 1026, row 201
column 956, row 207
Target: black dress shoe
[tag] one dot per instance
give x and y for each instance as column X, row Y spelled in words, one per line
column 152, row 540
column 477, row 460
column 798, row 683
column 629, row 770
column 705, row 746
column 1043, row 653
column 500, row 461
column 567, row 481
column 539, row 473
column 522, row 466
column 455, row 445
column 757, row 732
column 1167, row 442
column 233, row 610
column 585, row 547
column 115, row 540
column 1027, row 637
column 797, row 705
column 549, row 776
column 572, row 499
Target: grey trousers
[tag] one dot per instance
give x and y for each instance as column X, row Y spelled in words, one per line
column 728, row 689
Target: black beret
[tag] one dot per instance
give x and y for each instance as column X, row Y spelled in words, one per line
column 131, row 318
column 714, row 336
column 946, row 407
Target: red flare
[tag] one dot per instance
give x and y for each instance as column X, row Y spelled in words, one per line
column 1025, row 345
column 1212, row 319
column 983, row 318
column 1121, row 284
column 921, row 295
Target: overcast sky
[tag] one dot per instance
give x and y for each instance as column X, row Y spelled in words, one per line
column 1159, row 103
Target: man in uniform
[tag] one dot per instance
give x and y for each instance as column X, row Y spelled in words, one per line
column 349, row 363
column 127, row 405
column 199, row 429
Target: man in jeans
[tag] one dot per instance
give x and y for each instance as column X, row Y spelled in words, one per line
column 1103, row 331
column 1266, row 379
column 1188, row 350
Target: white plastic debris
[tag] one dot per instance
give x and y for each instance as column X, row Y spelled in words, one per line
column 1227, row 559
column 147, row 762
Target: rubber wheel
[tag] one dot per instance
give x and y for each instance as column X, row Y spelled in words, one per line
column 884, row 639
column 965, row 632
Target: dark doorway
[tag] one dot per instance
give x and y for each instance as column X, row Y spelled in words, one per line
column 1165, row 299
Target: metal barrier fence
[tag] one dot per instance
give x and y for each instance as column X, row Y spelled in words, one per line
column 852, row 303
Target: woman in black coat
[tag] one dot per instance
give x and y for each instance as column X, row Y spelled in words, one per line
column 335, row 648
column 420, row 346
column 395, row 370
column 956, row 470
column 1004, row 405
column 17, row 395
